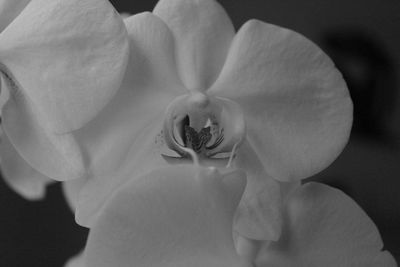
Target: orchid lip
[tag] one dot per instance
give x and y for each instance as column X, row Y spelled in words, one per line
column 210, row 126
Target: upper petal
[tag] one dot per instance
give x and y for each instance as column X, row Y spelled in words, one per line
column 68, row 58
column 203, row 34
column 297, row 107
column 175, row 216
column 9, row 10
column 324, row 227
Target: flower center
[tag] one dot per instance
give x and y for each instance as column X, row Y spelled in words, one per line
column 209, row 126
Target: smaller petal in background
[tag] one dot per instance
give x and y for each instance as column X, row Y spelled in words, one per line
column 324, row 227
column 203, row 33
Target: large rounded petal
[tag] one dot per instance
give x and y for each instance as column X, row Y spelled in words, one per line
column 258, row 215
column 324, row 227
column 68, row 58
column 175, row 216
column 203, row 34
column 19, row 175
column 297, row 107
column 9, row 10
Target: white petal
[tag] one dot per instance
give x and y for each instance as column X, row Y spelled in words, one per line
column 9, row 10
column 171, row 217
column 19, row 175
column 324, row 227
column 68, row 58
column 259, row 212
column 297, row 107
column 203, row 33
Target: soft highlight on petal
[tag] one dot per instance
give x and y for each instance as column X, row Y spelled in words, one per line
column 9, row 10
column 19, row 175
column 171, row 217
column 203, row 33
column 297, row 107
column 324, row 227
column 68, row 58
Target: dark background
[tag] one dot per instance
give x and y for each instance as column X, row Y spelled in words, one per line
column 363, row 39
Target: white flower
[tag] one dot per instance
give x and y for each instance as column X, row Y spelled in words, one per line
column 287, row 92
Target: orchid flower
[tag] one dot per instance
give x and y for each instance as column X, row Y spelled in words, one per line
column 60, row 63
column 243, row 117
column 264, row 99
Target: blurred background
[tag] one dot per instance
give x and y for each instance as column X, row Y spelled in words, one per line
column 363, row 39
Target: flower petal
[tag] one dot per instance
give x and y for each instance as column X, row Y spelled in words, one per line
column 68, row 58
column 259, row 212
column 19, row 175
column 175, row 216
column 297, row 107
column 203, row 34
column 9, row 10
column 325, row 228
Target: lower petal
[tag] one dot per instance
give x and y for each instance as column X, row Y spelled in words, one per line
column 171, row 217
column 324, row 227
